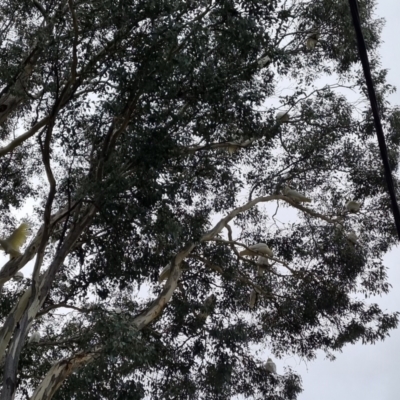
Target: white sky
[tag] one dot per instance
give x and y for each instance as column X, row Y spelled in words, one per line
column 364, row 372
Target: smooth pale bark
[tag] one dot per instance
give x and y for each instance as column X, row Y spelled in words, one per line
column 25, row 136
column 12, row 320
column 64, row 368
column 59, row 372
column 39, row 291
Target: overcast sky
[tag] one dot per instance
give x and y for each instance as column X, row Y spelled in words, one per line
column 365, row 372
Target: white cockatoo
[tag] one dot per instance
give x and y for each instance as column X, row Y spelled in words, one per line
column 257, row 248
column 282, row 116
column 210, row 300
column 262, row 265
column 263, row 61
column 232, row 148
column 237, row 138
column 253, row 299
column 295, row 196
column 270, row 366
column 312, row 40
column 352, row 237
column 164, row 273
column 18, row 276
column 35, row 337
column 117, row 310
column 352, row 206
column 12, row 244
column 208, row 304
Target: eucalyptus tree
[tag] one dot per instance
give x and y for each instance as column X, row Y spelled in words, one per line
column 143, row 136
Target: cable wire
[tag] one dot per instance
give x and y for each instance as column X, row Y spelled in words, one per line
column 374, row 105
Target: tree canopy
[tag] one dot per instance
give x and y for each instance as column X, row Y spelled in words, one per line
column 143, row 137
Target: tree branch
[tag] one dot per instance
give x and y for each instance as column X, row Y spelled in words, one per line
column 25, row 136
column 12, row 320
column 18, row 82
column 61, row 370
column 75, row 42
column 41, row 9
column 60, row 305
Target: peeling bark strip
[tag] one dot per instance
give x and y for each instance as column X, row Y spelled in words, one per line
column 64, row 368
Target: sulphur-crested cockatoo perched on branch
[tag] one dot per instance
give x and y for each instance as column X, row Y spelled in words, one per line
column 352, row 237
column 253, row 299
column 263, row 61
column 270, row 366
column 232, row 148
column 18, row 276
column 209, row 304
column 295, row 196
column 12, row 244
column 34, row 338
column 262, row 265
column 352, row 206
column 282, row 116
column 237, row 139
column 312, row 40
column 257, row 248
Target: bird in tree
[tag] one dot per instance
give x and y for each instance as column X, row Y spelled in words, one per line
column 132, row 113
column 209, row 305
column 352, row 206
column 254, row 249
column 11, row 245
column 295, row 196
column 352, row 237
column 262, row 62
column 283, row 116
column 238, row 140
column 35, row 337
column 312, row 40
column 18, row 276
column 253, row 299
column 270, row 366
column 232, row 149
column 262, row 265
